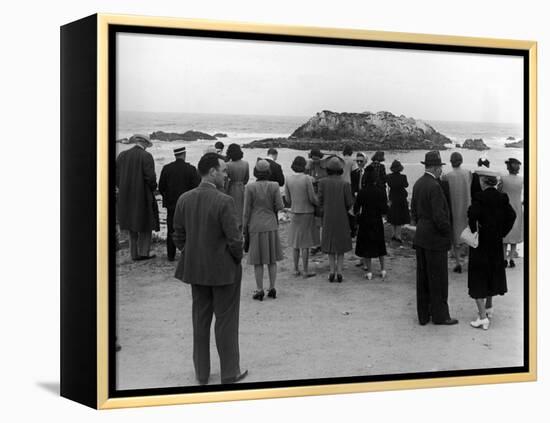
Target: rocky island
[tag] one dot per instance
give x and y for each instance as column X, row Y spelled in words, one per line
column 186, row 136
column 362, row 131
column 475, row 144
column 517, row 144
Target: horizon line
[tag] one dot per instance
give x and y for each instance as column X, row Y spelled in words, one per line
column 309, row 116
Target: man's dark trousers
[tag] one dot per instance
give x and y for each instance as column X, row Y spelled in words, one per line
column 223, row 302
column 170, row 246
column 431, row 285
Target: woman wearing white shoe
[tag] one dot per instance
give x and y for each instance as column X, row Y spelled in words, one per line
column 493, row 217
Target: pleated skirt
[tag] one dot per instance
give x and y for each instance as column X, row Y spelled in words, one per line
column 303, row 232
column 265, row 248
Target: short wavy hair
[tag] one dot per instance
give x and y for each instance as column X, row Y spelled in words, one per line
column 234, row 152
column 299, row 164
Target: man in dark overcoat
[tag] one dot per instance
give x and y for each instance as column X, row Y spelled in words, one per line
column 432, row 241
column 176, row 178
column 274, row 167
column 207, row 233
column 136, row 205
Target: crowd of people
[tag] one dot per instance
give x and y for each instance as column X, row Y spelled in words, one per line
column 215, row 214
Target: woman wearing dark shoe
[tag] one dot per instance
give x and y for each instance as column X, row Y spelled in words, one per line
column 369, row 207
column 335, row 199
column 237, row 178
column 398, row 212
column 272, row 293
column 492, row 215
column 302, row 233
column 262, row 201
column 512, row 184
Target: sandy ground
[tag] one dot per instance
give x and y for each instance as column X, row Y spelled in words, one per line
column 314, row 329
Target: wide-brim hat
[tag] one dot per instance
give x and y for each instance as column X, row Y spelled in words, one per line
column 512, row 160
column 141, row 138
column 262, row 165
column 334, row 163
column 487, row 172
column 378, row 156
column 396, row 166
column 432, row 158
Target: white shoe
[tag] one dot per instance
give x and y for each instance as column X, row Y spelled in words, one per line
column 489, row 312
column 368, row 275
column 383, row 273
column 480, row 323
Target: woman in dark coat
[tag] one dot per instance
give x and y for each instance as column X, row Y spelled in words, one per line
column 379, row 170
column 335, row 199
column 398, row 213
column 492, row 215
column 369, row 207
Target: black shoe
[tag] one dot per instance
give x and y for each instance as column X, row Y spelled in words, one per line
column 447, row 322
column 339, row 278
column 512, row 263
column 237, row 378
column 423, row 322
column 331, row 277
column 258, row 295
column 505, row 263
column 272, row 293
column 141, row 258
column 458, row 268
column 117, row 347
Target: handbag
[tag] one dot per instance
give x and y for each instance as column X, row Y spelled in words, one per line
column 469, row 237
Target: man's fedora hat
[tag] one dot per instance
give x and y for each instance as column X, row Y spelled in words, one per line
column 141, row 138
column 179, row 150
column 432, row 158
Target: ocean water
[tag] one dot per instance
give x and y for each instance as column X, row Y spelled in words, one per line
column 242, row 129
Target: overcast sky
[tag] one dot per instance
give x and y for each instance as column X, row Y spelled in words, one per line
column 199, row 75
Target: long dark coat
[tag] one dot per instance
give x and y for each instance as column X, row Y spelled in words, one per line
column 493, row 215
column 175, row 179
column 430, row 211
column 335, row 199
column 398, row 213
column 370, row 206
column 136, row 181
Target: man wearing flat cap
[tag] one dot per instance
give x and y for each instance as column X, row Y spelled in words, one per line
column 432, row 240
column 137, row 209
column 176, row 178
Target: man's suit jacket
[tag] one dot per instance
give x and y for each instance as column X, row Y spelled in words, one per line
column 205, row 229
column 355, row 174
column 276, row 172
column 430, row 211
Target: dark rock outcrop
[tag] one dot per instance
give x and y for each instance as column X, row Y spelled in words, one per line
column 362, row 131
column 186, row 136
column 517, row 144
column 475, row 144
column 220, row 135
column 510, row 139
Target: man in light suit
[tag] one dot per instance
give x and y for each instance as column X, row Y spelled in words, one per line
column 432, row 240
column 207, row 233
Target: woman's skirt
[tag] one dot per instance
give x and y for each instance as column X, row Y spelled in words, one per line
column 265, row 248
column 303, row 232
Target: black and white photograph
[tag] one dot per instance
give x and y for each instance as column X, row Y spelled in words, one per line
column 293, row 211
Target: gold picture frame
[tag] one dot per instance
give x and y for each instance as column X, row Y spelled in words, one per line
column 86, row 379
